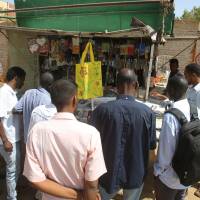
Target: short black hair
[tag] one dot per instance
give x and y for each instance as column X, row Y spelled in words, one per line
column 126, row 76
column 174, row 61
column 15, row 72
column 193, row 68
column 177, row 87
column 46, row 80
column 61, row 92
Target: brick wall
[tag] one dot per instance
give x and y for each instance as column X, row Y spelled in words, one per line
column 174, row 46
column 186, row 28
column 185, row 32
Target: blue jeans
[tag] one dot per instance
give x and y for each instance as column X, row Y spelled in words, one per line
column 12, row 160
column 131, row 194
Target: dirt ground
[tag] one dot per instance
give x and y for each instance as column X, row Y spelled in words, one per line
column 27, row 193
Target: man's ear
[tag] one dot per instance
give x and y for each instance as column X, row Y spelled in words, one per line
column 194, row 75
column 74, row 100
column 136, row 86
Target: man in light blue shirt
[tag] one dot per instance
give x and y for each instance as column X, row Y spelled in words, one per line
column 167, row 183
column 33, row 98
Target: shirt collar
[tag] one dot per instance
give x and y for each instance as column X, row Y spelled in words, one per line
column 43, row 91
column 197, row 87
column 64, row 115
column 126, row 97
column 9, row 88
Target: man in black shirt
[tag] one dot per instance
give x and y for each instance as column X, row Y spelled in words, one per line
column 174, row 67
column 127, row 130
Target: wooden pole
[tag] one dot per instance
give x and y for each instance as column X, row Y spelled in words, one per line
column 149, row 72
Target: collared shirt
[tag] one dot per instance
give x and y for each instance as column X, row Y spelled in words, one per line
column 64, row 150
column 30, row 100
column 42, row 113
column 167, row 146
column 127, row 131
column 193, row 96
column 11, row 123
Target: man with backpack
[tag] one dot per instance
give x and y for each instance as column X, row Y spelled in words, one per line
column 192, row 74
column 167, row 182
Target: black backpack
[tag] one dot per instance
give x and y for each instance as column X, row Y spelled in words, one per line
column 186, row 160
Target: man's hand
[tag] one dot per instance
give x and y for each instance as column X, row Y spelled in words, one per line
column 91, row 190
column 8, row 146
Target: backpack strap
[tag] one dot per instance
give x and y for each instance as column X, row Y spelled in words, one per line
column 193, row 112
column 179, row 115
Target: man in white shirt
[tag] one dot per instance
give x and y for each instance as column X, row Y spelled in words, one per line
column 192, row 74
column 167, row 183
column 9, row 128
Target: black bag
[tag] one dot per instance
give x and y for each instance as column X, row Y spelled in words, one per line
column 186, row 161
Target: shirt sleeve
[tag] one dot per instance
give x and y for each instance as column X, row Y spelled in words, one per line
column 32, row 169
column 167, row 142
column 153, row 132
column 3, row 105
column 19, row 106
column 95, row 166
column 35, row 118
column 97, row 117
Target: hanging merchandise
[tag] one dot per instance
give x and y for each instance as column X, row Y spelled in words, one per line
column 89, row 76
column 44, row 49
column 61, row 61
column 41, row 41
column 75, row 45
column 141, row 49
column 131, row 50
column 124, row 50
column 105, row 47
column 147, row 52
column 54, row 48
column 33, row 46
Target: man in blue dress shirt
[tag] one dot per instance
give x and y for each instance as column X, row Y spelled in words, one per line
column 127, row 130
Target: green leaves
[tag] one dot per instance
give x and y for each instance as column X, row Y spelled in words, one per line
column 193, row 14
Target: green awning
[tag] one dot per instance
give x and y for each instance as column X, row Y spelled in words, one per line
column 94, row 15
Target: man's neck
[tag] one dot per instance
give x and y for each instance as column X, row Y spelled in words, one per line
column 66, row 110
column 12, row 85
column 182, row 98
column 196, row 82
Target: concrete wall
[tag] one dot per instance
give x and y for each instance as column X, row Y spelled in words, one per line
column 19, row 55
column 3, row 53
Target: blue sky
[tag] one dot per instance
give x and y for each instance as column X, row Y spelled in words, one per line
column 180, row 5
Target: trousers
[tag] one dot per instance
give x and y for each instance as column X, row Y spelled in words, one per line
column 12, row 160
column 131, row 194
column 165, row 193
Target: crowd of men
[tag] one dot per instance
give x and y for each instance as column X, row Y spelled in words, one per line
column 68, row 159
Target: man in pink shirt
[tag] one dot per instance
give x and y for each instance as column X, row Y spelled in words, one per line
column 63, row 153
